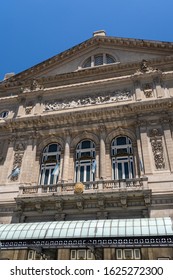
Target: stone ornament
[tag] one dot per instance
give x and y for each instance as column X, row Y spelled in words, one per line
column 19, row 149
column 33, row 86
column 78, row 188
column 157, row 148
column 148, row 90
column 115, row 96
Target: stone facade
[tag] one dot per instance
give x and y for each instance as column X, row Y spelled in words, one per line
column 59, row 101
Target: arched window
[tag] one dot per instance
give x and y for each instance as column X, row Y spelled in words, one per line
column 122, row 158
column 50, row 164
column 98, row 59
column 85, row 161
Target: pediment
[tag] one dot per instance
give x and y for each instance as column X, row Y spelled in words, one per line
column 123, row 51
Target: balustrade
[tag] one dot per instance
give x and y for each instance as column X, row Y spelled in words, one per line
column 102, row 185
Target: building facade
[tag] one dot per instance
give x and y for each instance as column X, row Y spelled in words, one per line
column 86, row 136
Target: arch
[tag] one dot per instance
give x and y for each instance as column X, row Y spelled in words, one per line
column 121, row 132
column 50, row 164
column 109, row 57
column 47, row 141
column 85, row 135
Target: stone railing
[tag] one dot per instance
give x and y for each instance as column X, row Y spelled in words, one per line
column 88, row 187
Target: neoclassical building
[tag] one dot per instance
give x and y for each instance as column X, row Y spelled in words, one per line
column 86, row 153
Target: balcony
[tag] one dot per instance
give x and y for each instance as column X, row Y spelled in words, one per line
column 101, row 186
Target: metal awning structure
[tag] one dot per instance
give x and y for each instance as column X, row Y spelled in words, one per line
column 109, row 233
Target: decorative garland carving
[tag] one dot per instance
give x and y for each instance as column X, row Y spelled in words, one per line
column 157, row 148
column 115, row 96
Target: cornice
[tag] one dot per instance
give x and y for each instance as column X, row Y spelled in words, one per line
column 119, row 71
column 116, row 41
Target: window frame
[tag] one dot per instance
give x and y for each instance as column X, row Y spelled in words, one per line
column 122, row 158
column 84, row 162
column 49, row 159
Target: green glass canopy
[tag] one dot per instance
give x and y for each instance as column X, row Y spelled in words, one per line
column 87, row 229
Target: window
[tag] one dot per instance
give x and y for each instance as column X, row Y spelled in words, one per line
column 128, row 254
column 99, row 59
column 4, row 114
column 122, row 158
column 50, row 163
column 85, row 161
column 82, row 254
column 33, row 255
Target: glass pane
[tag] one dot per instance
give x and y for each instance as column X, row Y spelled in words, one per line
column 82, row 174
column 126, row 170
column 132, row 169
column 88, row 173
column 87, row 63
column 119, row 171
column 109, row 59
column 52, row 178
column 121, row 141
column 98, row 60
column 52, row 148
column 86, row 144
column 46, row 177
column 114, row 170
column 86, row 154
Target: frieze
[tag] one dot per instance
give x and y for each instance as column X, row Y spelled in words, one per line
column 115, row 96
column 116, row 242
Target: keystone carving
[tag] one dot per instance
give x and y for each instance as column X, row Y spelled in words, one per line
column 79, row 205
column 123, row 200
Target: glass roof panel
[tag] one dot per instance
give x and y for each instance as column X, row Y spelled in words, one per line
column 137, row 231
column 153, row 230
column 145, row 230
column 56, row 233
column 63, row 229
column 114, row 231
column 169, row 229
column 121, row 231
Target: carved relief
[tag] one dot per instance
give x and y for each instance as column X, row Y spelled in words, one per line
column 148, row 90
column 115, row 96
column 157, row 148
column 17, row 162
column 28, row 108
column 145, row 68
column 33, row 86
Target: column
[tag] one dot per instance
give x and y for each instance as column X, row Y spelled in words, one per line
column 65, row 170
column 140, row 168
column 145, row 150
column 169, row 143
column 29, row 168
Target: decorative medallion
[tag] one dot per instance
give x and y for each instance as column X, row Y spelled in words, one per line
column 78, row 188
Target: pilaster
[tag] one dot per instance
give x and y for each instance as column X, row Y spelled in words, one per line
column 65, row 170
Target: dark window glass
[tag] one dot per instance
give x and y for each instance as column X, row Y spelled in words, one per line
column 86, row 144
column 121, row 141
column 52, row 148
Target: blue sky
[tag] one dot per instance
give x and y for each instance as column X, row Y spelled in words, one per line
column 35, row 30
